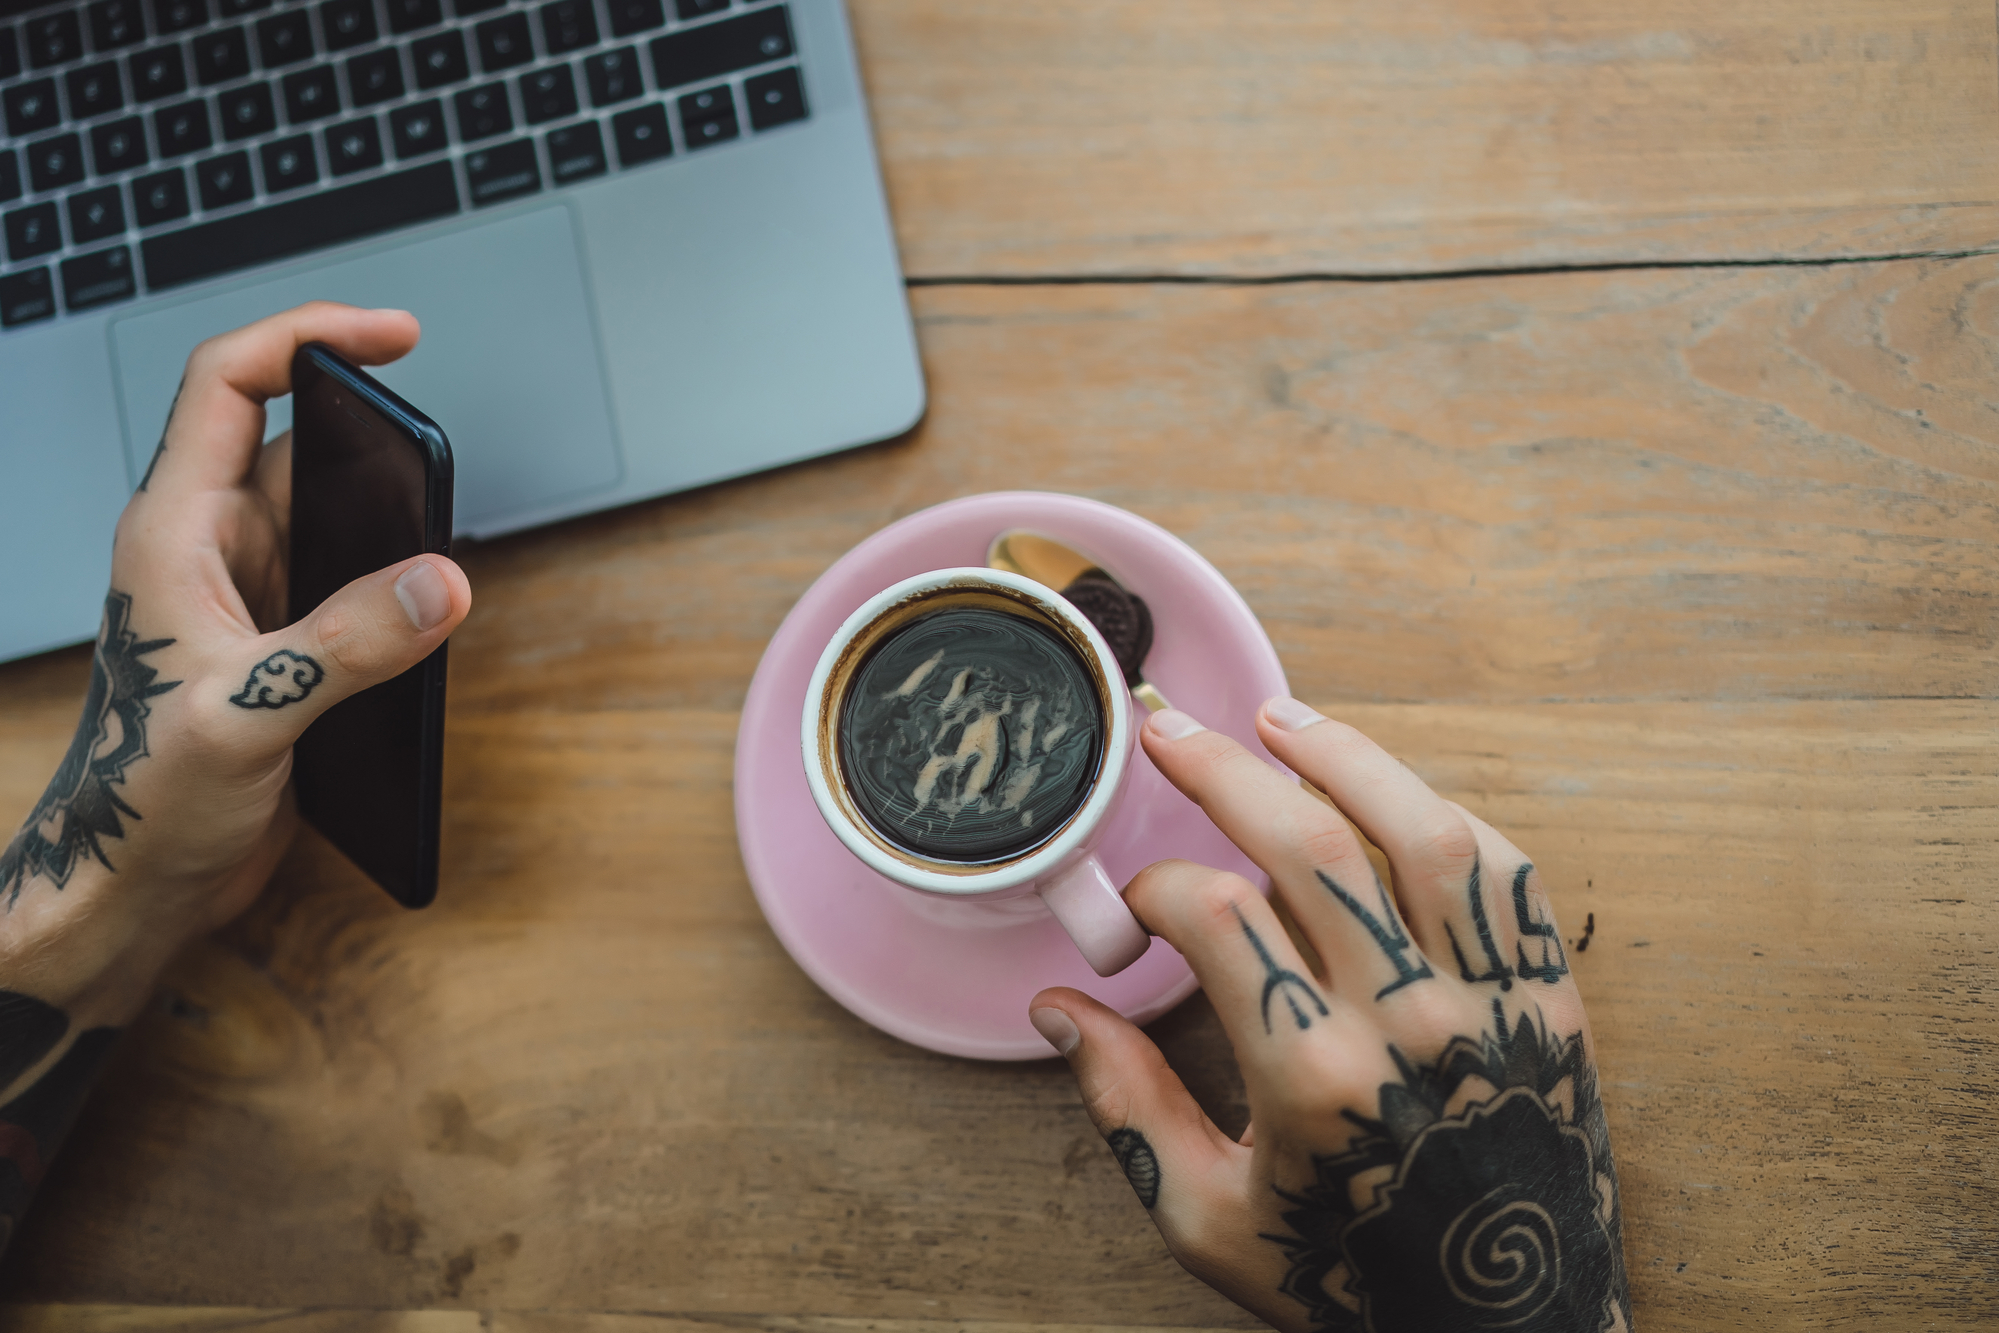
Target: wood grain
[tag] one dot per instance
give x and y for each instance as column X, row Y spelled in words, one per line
column 1187, row 137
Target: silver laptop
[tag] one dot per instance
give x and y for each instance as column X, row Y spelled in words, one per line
column 646, row 239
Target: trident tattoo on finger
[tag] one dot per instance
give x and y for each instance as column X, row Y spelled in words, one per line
column 1281, row 980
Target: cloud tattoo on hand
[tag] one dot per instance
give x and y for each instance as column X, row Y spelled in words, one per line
column 285, row 677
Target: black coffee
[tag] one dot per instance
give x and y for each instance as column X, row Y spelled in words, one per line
column 970, row 735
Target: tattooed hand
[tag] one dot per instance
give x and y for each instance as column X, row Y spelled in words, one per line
column 171, row 807
column 1427, row 1152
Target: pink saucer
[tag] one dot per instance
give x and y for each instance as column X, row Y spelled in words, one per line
column 957, row 977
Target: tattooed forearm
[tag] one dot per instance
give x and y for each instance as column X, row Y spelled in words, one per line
column 80, row 808
column 1140, row 1164
column 34, row 1121
column 285, row 677
column 1281, row 980
column 1554, row 964
column 1392, row 938
column 1495, row 966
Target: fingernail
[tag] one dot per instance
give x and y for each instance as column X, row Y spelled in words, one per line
column 1057, row 1027
column 1291, row 715
column 425, row 599
column 1173, row 724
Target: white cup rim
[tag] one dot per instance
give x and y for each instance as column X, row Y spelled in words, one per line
column 973, row 881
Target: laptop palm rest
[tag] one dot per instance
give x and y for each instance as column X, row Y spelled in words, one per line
column 508, row 364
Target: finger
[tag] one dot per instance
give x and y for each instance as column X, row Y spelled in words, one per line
column 216, row 424
column 1523, row 917
column 1308, row 850
column 370, row 631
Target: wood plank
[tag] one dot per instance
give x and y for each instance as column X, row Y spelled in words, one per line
column 1195, row 137
column 228, row 1319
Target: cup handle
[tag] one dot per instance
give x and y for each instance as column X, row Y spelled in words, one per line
column 1092, row 910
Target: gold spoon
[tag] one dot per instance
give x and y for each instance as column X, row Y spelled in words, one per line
column 1119, row 614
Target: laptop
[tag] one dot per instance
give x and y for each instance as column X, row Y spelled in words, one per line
column 647, row 241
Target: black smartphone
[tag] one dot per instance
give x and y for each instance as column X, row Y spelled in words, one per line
column 371, row 485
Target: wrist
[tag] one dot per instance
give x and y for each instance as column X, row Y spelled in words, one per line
column 83, row 947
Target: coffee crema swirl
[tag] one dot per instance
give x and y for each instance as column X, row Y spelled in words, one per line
column 970, row 735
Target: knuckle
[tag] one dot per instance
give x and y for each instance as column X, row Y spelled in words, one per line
column 1216, row 897
column 1444, row 840
column 351, row 645
column 1426, row 1011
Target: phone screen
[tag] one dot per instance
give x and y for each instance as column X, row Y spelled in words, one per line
column 371, row 485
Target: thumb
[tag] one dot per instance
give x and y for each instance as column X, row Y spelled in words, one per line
column 374, row 629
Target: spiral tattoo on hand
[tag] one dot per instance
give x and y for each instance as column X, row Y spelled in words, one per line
column 1503, row 1254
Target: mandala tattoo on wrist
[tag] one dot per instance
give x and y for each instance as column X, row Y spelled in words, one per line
column 285, row 677
column 80, row 808
column 1482, row 1199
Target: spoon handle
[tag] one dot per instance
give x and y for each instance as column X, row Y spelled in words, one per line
column 1148, row 694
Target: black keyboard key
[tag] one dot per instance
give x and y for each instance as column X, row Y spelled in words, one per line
column 32, row 231
column 504, row 42
column 708, row 117
column 467, row 8
column 374, row 77
column 94, row 90
column 178, row 15
column 93, row 280
column 715, row 49
column 247, row 112
column 347, row 23
column 221, row 56
column 298, row 226
column 158, row 73
column 54, row 39
column 613, row 76
column 161, row 197
column 548, row 94
column 630, row 16
column 641, row 135
column 776, row 98
column 118, row 146
column 224, row 180
column 410, row 15
column 182, row 129
column 417, row 129
column 237, row 8
column 310, row 94
column 284, row 39
column 575, row 152
column 440, row 59
column 289, row 164
column 115, row 23
column 503, row 172
column 10, row 175
column 54, row 163
column 698, row 9
column 31, row 107
column 10, row 54
column 568, row 25
column 96, row 214
column 483, row 112
column 26, row 297
column 354, row 146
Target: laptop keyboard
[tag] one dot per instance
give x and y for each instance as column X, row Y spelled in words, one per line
column 153, row 143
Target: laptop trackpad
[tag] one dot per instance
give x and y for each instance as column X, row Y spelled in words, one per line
column 508, row 365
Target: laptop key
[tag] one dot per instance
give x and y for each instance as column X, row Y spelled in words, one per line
column 299, row 226
column 55, row 39
column 10, row 175
column 178, row 15
column 505, row 171
column 238, row 8
column 613, row 76
column 118, row 146
column 354, row 146
column 708, row 117
column 698, row 9
column 310, row 94
column 467, row 8
column 116, row 23
column 54, row 163
column 247, row 111
column 32, row 231
column 94, row 280
column 374, row 77
column 96, row 214
column 284, row 39
column 483, row 112
column 224, row 180
column 417, row 129
column 158, row 73
column 548, row 94
column 221, row 56
column 575, row 152
column 94, row 90
column 289, row 163
column 347, row 23
column 160, row 197
column 715, row 49
column 31, row 107
column 641, row 135
column 26, row 297
column 410, row 15
column 182, row 129
column 775, row 98
column 503, row 43
column 440, row 59
column 10, row 54
column 568, row 25
column 630, row 16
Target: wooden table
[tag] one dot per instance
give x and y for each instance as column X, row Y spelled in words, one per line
column 1596, row 401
